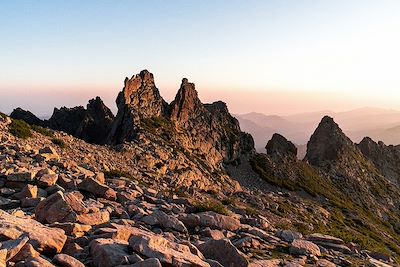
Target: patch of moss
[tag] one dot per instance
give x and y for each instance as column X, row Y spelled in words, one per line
column 211, row 205
column 161, row 127
column 20, row 129
column 117, row 174
column 43, row 131
column 59, row 142
column 228, row 201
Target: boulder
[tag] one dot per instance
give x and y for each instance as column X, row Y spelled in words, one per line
column 224, row 252
column 42, row 238
column 288, row 235
column 95, row 187
column 54, row 209
column 169, row 253
column 159, row 217
column 109, row 252
column 13, row 247
column 210, row 219
column 304, row 247
column 64, row 260
column 280, row 147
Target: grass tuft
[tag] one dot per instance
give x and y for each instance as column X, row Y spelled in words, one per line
column 20, row 129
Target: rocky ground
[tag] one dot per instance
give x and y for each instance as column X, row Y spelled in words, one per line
column 69, row 203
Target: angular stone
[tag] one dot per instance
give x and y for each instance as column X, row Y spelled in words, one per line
column 73, row 229
column 95, row 218
column 155, row 246
column 47, row 180
column 38, row 262
column 109, row 252
column 30, row 202
column 304, row 247
column 13, row 246
column 27, row 251
column 64, row 260
column 21, row 176
column 42, row 238
column 210, row 219
column 96, row 188
column 159, row 217
column 288, row 235
column 6, row 203
column 55, row 209
column 29, row 190
column 224, row 252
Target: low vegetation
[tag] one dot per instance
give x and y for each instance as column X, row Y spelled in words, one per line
column 59, row 142
column 211, row 205
column 20, row 129
column 349, row 221
column 43, row 131
column 117, row 174
column 161, row 127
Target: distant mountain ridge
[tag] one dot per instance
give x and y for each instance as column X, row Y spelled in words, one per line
column 379, row 124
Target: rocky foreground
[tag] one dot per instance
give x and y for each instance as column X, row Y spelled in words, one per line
column 90, row 205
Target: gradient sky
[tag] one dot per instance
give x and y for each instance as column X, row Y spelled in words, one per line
column 282, row 56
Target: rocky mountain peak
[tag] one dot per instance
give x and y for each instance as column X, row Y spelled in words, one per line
column 327, row 142
column 187, row 103
column 141, row 94
column 139, row 99
column 280, row 147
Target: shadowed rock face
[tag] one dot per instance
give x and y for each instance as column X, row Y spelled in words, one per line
column 326, row 143
column 97, row 122
column 92, row 124
column 385, row 158
column 280, row 147
column 27, row 116
column 67, row 119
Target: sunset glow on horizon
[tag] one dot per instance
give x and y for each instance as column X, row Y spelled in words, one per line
column 275, row 57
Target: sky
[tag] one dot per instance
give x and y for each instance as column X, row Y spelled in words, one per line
column 275, row 57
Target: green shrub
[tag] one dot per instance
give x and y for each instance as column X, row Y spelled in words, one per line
column 59, row 142
column 20, row 129
column 43, row 131
column 211, row 205
column 228, row 201
column 2, row 115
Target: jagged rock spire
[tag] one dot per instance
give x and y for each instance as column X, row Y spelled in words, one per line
column 187, row 103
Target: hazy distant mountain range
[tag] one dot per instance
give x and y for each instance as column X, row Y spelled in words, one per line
column 377, row 123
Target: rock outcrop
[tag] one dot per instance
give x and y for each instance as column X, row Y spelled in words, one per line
column 327, row 144
column 27, row 116
column 205, row 130
column 92, row 124
column 139, row 99
column 280, row 147
column 385, row 158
